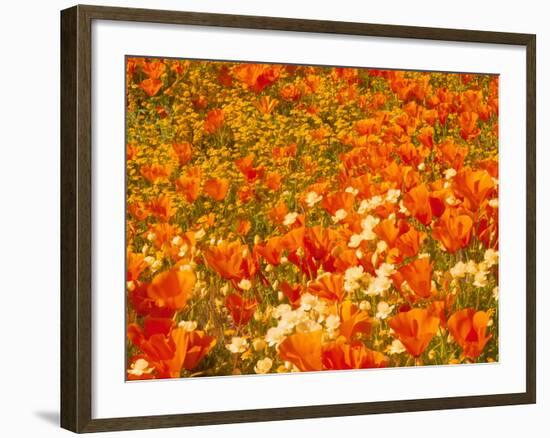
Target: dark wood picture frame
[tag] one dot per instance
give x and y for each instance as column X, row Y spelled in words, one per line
column 76, row 217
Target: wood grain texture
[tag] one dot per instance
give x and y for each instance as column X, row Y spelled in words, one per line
column 76, row 222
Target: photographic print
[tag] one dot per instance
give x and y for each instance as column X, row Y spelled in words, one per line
column 298, row 218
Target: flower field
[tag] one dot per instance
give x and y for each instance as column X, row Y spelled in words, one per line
column 286, row 218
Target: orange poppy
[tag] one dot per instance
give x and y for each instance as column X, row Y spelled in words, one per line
column 426, row 136
column 241, row 309
column 251, row 173
column 189, row 349
column 214, row 120
column 409, row 243
column 271, row 250
column 161, row 207
column 290, row 92
column 417, row 201
column 468, row 125
column 155, row 342
column 184, row 152
column 153, row 69
column 278, row 212
column 329, row 287
column 452, row 154
column 340, row 355
column 418, row 275
column 243, row 227
column 285, row 151
column 388, row 231
column 469, row 329
column 273, row 180
column 293, row 293
column 266, row 104
column 319, row 241
column 338, row 201
column 135, row 265
column 163, row 233
column 303, row 350
column 216, row 188
column 189, row 187
column 151, row 86
column 473, row 186
column 172, row 288
column 353, row 320
column 257, row 76
column 155, row 172
column 231, row 260
column 453, row 230
column 415, row 329
column 138, row 210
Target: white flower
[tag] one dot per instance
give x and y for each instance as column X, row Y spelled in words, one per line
column 177, row 241
column 354, row 273
column 493, row 203
column 200, row 234
column 281, row 310
column 367, row 225
column 224, row 289
column 263, row 366
column 370, row 204
column 393, row 195
column 157, row 264
column 188, row 326
column 321, row 308
column 183, row 250
column 378, row 286
column 332, row 322
column 363, row 206
column 421, row 166
column 396, row 347
column 491, row 257
column 274, row 336
column 238, row 345
column 308, row 326
column 458, row 270
column 480, row 279
column 351, row 190
column 495, row 292
column 312, row 198
column 381, row 246
column 385, row 270
column 186, row 268
column 149, row 260
column 289, row 320
column 245, row 284
column 364, row 305
column 383, row 310
column 450, row 173
column 139, row 367
column 339, row 215
column 471, row 267
column 151, row 237
column 359, row 254
column 451, row 200
column 308, row 301
column 355, row 240
column 258, row 344
column 290, row 218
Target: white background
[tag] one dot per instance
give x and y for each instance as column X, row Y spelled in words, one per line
column 29, row 181
column 112, row 397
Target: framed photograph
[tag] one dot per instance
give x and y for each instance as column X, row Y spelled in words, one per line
column 270, row 218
